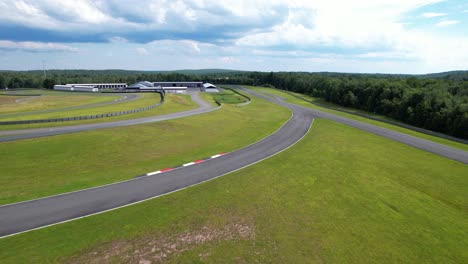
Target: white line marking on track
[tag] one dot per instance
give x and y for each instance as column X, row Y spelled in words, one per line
column 112, row 209
column 141, row 201
column 188, row 164
column 153, row 173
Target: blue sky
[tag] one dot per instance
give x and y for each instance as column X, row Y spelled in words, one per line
column 386, row 36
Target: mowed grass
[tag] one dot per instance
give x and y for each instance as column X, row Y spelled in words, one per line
column 45, row 166
column 291, row 99
column 173, row 103
column 23, row 104
column 340, row 195
column 147, row 99
column 229, row 97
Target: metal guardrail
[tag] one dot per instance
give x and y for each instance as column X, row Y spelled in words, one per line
column 75, row 118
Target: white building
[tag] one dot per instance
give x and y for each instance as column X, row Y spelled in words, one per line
column 178, row 89
column 100, row 85
column 88, row 87
column 178, row 84
column 76, row 88
column 210, row 88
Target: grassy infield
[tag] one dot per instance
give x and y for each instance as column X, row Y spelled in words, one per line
column 340, row 195
column 146, row 100
column 9, row 104
column 229, row 97
column 175, row 103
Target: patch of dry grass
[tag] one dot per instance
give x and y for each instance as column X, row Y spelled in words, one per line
column 157, row 248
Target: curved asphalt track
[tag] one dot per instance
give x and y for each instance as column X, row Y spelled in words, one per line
column 33, row 214
column 20, row 217
column 11, row 135
column 430, row 146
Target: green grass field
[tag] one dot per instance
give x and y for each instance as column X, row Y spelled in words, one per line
column 173, row 103
column 23, row 104
column 340, row 195
column 79, row 160
column 229, row 97
column 297, row 101
column 146, row 100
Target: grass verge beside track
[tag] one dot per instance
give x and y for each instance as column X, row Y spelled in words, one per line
column 51, row 165
column 294, row 100
column 9, row 104
column 147, row 99
column 340, row 195
column 229, row 97
column 173, row 103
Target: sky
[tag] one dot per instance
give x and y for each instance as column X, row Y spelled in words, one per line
column 373, row 36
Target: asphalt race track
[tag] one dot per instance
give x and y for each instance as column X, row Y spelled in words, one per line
column 28, row 215
column 436, row 148
column 19, row 217
column 11, row 135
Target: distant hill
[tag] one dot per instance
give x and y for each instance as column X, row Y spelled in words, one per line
column 450, row 75
column 132, row 72
column 200, row 71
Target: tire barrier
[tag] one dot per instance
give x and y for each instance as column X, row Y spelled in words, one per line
column 75, row 118
column 417, row 129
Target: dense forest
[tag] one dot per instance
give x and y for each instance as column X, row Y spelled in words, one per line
column 438, row 102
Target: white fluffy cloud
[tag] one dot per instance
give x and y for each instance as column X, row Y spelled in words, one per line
column 445, row 23
column 141, row 51
column 433, row 14
column 34, row 46
column 325, row 33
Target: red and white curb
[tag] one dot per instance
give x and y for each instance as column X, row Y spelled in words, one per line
column 183, row 165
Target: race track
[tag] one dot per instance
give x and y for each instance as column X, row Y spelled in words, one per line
column 11, row 135
column 34, row 214
column 28, row 215
column 436, row 148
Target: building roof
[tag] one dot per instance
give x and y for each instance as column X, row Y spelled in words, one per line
column 177, row 82
column 174, row 87
column 87, row 84
column 141, row 84
column 208, row 85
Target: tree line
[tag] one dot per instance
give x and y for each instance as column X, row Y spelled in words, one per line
column 438, row 102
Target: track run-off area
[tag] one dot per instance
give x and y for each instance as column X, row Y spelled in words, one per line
column 38, row 213
column 121, row 99
column 11, row 135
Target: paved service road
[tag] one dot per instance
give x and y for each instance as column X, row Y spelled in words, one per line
column 436, row 148
column 37, row 213
column 11, row 135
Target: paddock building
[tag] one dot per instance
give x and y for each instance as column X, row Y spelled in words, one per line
column 178, row 84
column 170, row 87
column 100, row 85
column 210, row 88
column 88, row 87
column 76, row 88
